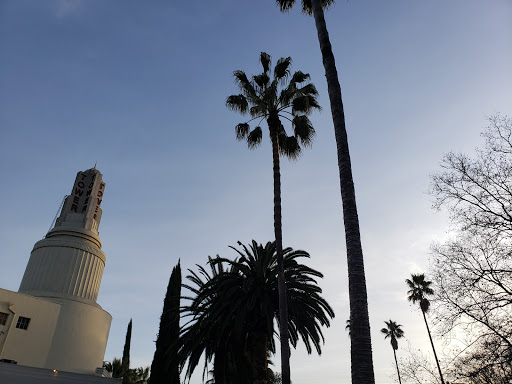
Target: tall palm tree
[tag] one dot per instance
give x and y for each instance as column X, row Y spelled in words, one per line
column 361, row 345
column 236, row 310
column 394, row 332
column 419, row 289
column 272, row 98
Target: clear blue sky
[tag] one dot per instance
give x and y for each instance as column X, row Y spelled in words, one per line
column 139, row 88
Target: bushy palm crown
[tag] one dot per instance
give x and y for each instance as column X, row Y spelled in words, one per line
column 286, row 5
column 266, row 96
column 196, row 336
column 393, row 331
column 242, row 298
column 419, row 290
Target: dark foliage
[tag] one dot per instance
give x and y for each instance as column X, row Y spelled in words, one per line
column 234, row 308
column 125, row 361
column 165, row 368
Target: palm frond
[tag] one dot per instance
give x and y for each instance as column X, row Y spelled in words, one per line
column 285, row 5
column 287, row 95
column 257, row 110
column 303, row 130
column 254, row 138
column 241, row 78
column 237, row 103
column 304, row 104
column 261, row 80
column 289, row 147
column 242, row 130
column 282, row 68
column 299, row 77
column 270, row 95
column 307, row 7
column 308, row 89
column 265, row 61
column 245, row 85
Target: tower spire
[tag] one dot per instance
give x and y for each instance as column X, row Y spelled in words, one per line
column 73, row 244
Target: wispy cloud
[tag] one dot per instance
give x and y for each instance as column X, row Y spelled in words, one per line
column 68, row 7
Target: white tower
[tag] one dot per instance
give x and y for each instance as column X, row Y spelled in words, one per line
column 66, row 267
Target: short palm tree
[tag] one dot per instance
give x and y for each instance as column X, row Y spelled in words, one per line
column 394, row 332
column 233, row 312
column 197, row 337
column 140, row 375
column 361, row 344
column 419, row 290
column 114, row 367
column 273, row 97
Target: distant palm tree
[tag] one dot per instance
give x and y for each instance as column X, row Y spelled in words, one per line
column 270, row 97
column 419, row 289
column 139, row 375
column 131, row 376
column 394, row 332
column 114, row 367
column 360, row 337
column 234, row 311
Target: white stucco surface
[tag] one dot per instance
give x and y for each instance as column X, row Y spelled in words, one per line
column 31, row 346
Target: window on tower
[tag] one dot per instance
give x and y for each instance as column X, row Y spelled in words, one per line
column 3, row 318
column 22, row 322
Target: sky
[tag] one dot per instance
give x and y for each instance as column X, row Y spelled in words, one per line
column 139, row 89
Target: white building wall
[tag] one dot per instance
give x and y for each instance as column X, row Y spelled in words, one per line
column 69, row 336
column 80, row 338
column 31, row 346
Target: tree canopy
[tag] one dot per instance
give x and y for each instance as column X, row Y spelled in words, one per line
column 234, row 307
column 472, row 269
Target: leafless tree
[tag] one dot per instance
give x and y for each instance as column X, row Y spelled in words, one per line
column 418, row 367
column 473, row 277
column 472, row 271
column 478, row 191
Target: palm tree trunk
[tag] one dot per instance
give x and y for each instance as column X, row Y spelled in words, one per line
column 397, row 370
column 433, row 348
column 273, row 124
column 361, row 346
column 258, row 352
column 219, row 365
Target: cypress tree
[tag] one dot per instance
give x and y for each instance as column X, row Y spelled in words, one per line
column 165, row 366
column 125, row 361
